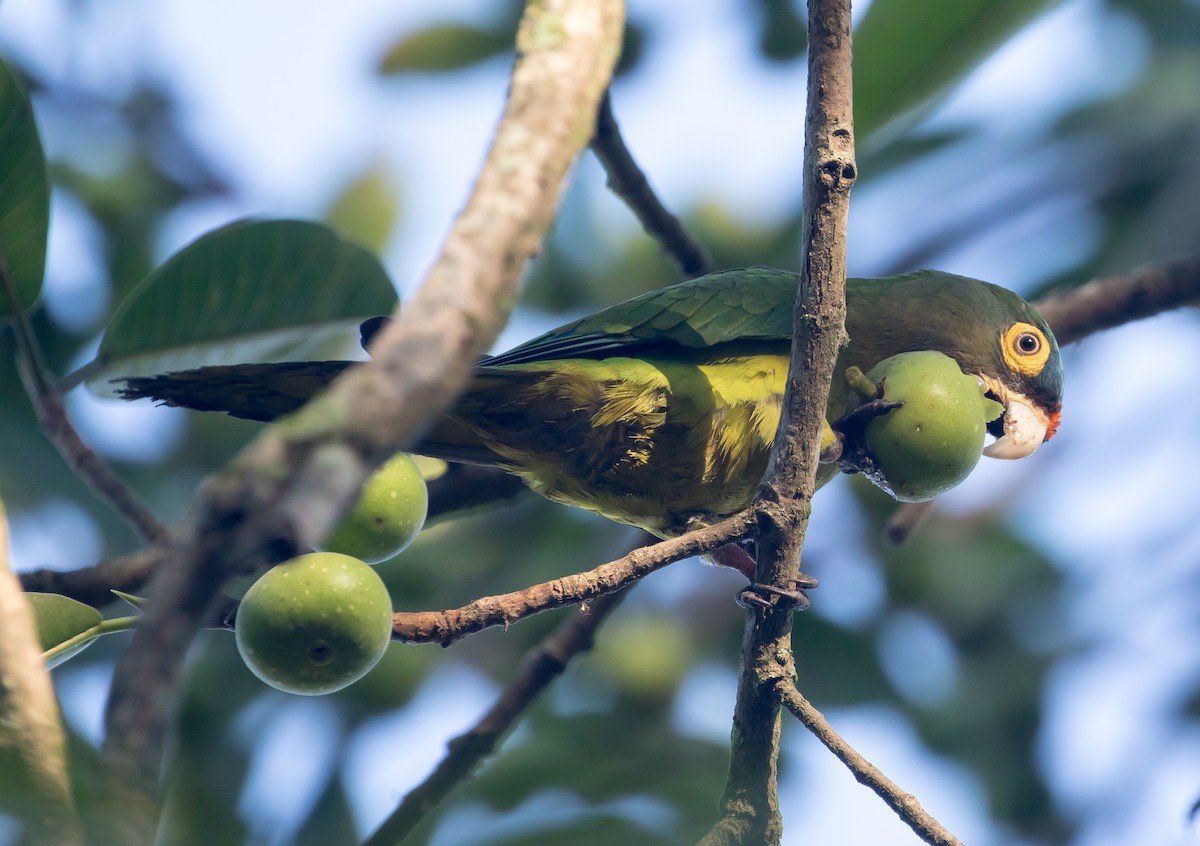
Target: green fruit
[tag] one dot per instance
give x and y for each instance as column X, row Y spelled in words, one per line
column 314, row 624
column 934, row 440
column 388, row 515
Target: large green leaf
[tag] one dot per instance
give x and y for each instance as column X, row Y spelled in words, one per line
column 251, row 291
column 24, row 193
column 907, row 52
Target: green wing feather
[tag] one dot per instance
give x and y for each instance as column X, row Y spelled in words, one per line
column 750, row 304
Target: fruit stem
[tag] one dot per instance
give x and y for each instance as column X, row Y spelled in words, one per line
column 860, row 384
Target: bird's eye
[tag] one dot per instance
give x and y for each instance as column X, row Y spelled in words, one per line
column 1025, row 348
column 1027, row 343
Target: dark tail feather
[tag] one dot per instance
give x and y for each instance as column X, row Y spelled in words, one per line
column 264, row 392
column 251, row 391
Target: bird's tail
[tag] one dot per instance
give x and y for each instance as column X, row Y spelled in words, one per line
column 260, row 392
column 264, row 392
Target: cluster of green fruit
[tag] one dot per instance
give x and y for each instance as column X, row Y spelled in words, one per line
column 934, row 438
column 310, row 625
column 319, row 622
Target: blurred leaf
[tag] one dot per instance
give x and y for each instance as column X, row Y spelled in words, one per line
column 646, row 655
column 331, row 819
column 443, row 47
column 627, row 752
column 250, row 291
column 367, row 209
column 905, row 54
column 24, row 193
column 633, row 48
column 589, row 828
column 59, row 619
column 783, row 36
column 904, row 151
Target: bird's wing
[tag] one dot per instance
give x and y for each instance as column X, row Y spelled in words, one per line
column 751, row 304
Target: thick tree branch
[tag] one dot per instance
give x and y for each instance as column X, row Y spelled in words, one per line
column 627, row 181
column 34, row 784
column 750, row 806
column 542, row 665
column 904, row 804
column 287, row 489
column 1075, row 313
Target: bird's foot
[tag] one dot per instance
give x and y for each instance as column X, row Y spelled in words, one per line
column 851, row 428
column 759, row 595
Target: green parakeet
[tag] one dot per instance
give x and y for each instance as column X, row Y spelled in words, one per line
column 662, row 409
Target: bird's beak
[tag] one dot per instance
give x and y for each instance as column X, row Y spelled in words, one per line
column 1025, row 426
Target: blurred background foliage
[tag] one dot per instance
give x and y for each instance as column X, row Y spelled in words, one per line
column 1027, row 665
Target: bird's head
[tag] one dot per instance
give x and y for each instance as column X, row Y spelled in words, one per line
column 1027, row 380
column 994, row 335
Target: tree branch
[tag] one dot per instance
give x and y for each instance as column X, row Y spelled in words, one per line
column 904, row 804
column 288, row 487
column 542, row 665
column 627, row 181
column 56, row 425
column 34, row 783
column 750, row 805
column 94, row 585
column 447, row 627
column 1075, row 313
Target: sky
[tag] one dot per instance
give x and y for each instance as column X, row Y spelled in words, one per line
column 282, row 95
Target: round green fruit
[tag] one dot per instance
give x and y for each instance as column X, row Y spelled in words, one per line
column 933, row 441
column 388, row 515
column 314, row 624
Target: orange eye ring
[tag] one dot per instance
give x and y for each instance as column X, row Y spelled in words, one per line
column 1026, row 349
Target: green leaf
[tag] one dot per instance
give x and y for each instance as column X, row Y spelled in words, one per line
column 443, row 47
column 24, row 193
column 251, row 291
column 906, row 54
column 59, row 619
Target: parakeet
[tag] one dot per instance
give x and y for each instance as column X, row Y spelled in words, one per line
column 661, row 410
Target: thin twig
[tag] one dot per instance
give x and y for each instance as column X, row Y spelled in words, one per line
column 904, row 804
column 447, row 627
column 541, row 666
column 52, row 418
column 288, row 488
column 94, row 585
column 627, row 181
column 906, row 521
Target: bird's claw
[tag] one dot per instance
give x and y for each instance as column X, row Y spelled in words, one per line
column 851, row 428
column 759, row 595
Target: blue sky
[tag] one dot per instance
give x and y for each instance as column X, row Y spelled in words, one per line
column 283, row 96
